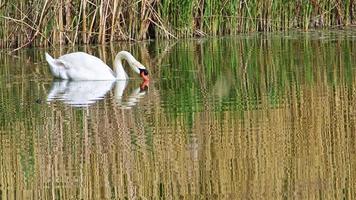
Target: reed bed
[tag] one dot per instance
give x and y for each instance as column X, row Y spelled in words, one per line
column 53, row 22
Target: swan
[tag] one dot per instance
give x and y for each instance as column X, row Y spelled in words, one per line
column 83, row 66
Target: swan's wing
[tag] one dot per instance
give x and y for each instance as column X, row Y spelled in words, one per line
column 62, row 63
column 82, row 66
column 57, row 67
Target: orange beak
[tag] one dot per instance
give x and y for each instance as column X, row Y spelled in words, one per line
column 144, row 77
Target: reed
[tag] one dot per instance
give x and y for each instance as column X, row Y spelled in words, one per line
column 46, row 23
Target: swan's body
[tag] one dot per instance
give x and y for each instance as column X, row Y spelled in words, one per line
column 82, row 66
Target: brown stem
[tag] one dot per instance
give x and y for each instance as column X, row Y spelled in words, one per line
column 84, row 30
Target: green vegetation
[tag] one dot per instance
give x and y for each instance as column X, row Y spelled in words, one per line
column 52, row 22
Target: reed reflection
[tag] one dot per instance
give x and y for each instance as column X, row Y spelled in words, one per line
column 250, row 118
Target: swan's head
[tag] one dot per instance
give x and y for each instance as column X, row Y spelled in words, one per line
column 144, row 74
column 140, row 69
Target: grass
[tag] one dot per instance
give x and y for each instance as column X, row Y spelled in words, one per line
column 47, row 23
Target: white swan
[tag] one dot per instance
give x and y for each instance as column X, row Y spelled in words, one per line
column 82, row 66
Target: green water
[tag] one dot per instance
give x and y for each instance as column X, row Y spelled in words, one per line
column 264, row 116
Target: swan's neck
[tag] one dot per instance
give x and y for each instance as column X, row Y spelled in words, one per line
column 119, row 69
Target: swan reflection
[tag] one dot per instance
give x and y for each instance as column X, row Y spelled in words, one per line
column 133, row 98
column 85, row 93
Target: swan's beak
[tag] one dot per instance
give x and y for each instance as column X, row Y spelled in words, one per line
column 144, row 74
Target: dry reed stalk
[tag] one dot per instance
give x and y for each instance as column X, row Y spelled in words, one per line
column 113, row 20
column 339, row 12
column 103, row 16
column 146, row 15
column 84, row 23
column 68, row 15
column 120, row 23
column 101, row 22
column 38, row 28
column 60, row 23
column 91, row 28
column 75, row 39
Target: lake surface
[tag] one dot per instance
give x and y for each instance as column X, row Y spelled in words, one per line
column 263, row 116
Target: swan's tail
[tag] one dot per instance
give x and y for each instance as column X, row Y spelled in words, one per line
column 52, row 65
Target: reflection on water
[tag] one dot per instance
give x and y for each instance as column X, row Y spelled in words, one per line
column 79, row 93
column 135, row 96
column 85, row 93
column 257, row 117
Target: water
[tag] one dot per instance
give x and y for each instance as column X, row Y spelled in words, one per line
column 256, row 116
